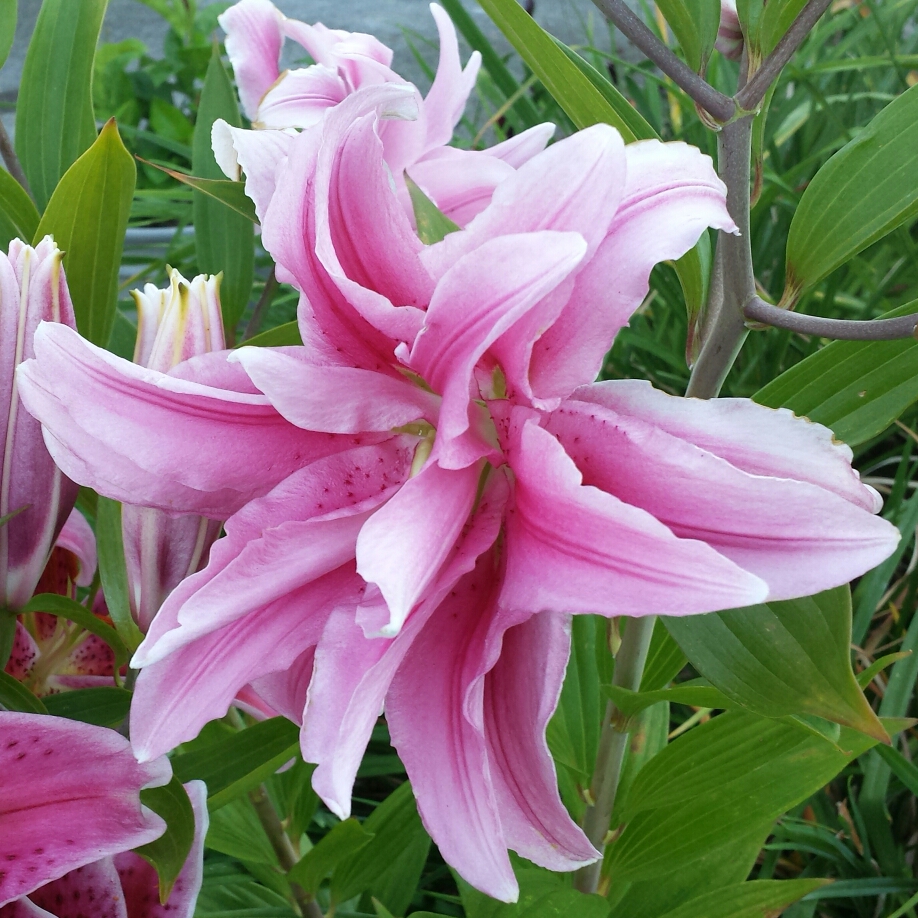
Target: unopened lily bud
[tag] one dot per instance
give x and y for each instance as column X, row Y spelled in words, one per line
column 173, row 325
column 32, row 289
column 729, row 35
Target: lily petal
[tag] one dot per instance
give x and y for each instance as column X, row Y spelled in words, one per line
column 796, row 536
column 575, row 548
column 672, row 194
column 78, row 538
column 300, row 98
column 71, row 796
column 335, row 399
column 94, row 886
column 138, row 436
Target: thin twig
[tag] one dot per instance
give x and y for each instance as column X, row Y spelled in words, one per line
column 613, row 741
column 12, row 160
column 696, row 87
column 757, row 310
column 751, row 95
column 283, row 848
column 263, row 303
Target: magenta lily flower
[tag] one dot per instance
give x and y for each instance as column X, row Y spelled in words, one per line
column 71, row 796
column 160, row 548
column 33, row 289
column 477, row 488
column 460, row 181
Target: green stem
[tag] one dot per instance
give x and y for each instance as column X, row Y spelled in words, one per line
column 283, row 848
column 613, row 741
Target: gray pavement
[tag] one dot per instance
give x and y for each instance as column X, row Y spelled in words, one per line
column 570, row 20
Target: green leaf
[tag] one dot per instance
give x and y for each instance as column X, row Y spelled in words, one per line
column 113, row 571
column 344, row 840
column 782, row 658
column 7, row 28
column 18, row 216
column 282, row 336
column 230, row 194
column 7, row 634
column 903, row 769
column 64, row 607
column 54, row 117
column 234, row 764
column 865, row 677
column 14, row 696
column 665, row 659
column 857, row 388
column 564, row 80
column 396, row 827
column 697, row 694
column 777, row 18
column 699, row 811
column 223, row 241
column 862, row 193
column 383, row 912
column 88, row 216
column 102, row 705
column 433, row 224
column 756, row 899
column 170, row 851
column 542, row 895
column 694, row 23
column 236, row 830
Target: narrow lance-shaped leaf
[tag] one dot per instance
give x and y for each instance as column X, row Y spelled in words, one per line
column 694, row 23
column 857, row 388
column 782, row 658
column 169, row 852
column 224, row 241
column 14, row 696
column 344, row 840
column 229, row 193
column 862, row 193
column 18, row 215
column 7, row 28
column 102, row 705
column 54, row 117
column 756, row 899
column 87, row 216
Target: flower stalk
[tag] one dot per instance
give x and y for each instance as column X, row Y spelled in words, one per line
column 613, row 741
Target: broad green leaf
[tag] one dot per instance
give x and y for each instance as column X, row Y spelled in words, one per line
column 230, row 194
column 777, row 18
column 169, row 852
column 123, row 338
column 54, row 118
column 648, row 734
column 223, row 241
column 7, row 28
column 542, row 895
column 14, row 696
column 228, row 891
column 699, row 811
column 564, row 79
column 433, row 225
column 862, row 193
column 857, row 388
column 696, row 693
column 282, row 336
column 88, row 216
column 694, row 23
column 383, row 912
column 102, row 705
column 756, row 899
column 64, row 607
column 113, row 571
column 396, row 827
column 236, row 830
column 782, row 658
column 750, row 17
column 234, row 764
column 18, row 216
column 344, row 840
column 493, row 62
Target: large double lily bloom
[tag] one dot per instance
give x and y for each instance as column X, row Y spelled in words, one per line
column 419, row 497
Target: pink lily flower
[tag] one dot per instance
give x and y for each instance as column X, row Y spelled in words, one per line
column 161, row 548
column 51, row 654
column 460, row 181
column 488, row 491
column 32, row 289
column 71, row 796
